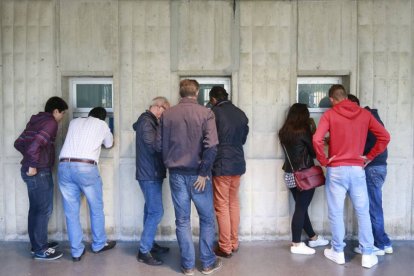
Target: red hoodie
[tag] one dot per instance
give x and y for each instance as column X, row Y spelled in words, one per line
column 348, row 125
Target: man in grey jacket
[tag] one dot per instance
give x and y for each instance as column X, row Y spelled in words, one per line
column 188, row 140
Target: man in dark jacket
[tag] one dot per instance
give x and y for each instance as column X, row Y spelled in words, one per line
column 150, row 173
column 232, row 130
column 37, row 144
column 188, row 140
column 375, row 173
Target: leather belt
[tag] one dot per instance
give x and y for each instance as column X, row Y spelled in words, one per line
column 88, row 161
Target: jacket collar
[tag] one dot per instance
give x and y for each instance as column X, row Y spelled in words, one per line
column 188, row 100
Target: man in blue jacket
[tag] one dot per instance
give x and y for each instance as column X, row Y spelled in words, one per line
column 375, row 173
column 37, row 145
column 150, row 173
column 232, row 130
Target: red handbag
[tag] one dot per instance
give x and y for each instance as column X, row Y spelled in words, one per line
column 308, row 178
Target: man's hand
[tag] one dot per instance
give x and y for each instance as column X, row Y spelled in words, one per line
column 366, row 160
column 200, row 183
column 331, row 159
column 31, row 171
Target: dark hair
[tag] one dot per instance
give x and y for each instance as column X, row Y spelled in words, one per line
column 353, row 98
column 297, row 123
column 338, row 92
column 188, row 88
column 55, row 103
column 218, row 93
column 98, row 112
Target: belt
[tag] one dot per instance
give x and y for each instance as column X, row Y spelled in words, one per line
column 88, row 161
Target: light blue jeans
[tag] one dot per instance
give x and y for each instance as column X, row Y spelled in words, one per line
column 153, row 212
column 74, row 179
column 339, row 182
column 183, row 192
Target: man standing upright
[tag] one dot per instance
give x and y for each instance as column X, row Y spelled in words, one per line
column 232, row 130
column 348, row 125
column 375, row 172
column 37, row 144
column 188, row 140
column 78, row 174
column 150, row 173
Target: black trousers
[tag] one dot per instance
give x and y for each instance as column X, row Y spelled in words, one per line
column 300, row 219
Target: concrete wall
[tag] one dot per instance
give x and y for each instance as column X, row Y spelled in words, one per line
column 146, row 46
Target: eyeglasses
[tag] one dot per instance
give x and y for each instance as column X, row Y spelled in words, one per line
column 163, row 107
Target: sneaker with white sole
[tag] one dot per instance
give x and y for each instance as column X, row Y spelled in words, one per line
column 369, row 261
column 388, row 249
column 337, row 257
column 376, row 251
column 302, row 249
column 48, row 255
column 320, row 241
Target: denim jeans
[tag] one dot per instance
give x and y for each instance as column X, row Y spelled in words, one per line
column 183, row 191
column 74, row 179
column 375, row 180
column 339, row 182
column 40, row 190
column 153, row 212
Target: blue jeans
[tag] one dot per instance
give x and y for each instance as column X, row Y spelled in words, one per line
column 153, row 212
column 339, row 182
column 74, row 179
column 183, row 191
column 375, row 180
column 40, row 190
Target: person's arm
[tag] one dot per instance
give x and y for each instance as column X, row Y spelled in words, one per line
column 40, row 140
column 307, row 140
column 19, row 143
column 158, row 136
column 108, row 140
column 318, row 140
column 246, row 131
column 382, row 135
column 210, row 142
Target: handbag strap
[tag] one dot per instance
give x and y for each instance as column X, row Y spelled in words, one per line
column 287, row 155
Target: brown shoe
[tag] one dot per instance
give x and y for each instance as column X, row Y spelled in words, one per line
column 211, row 269
column 187, row 272
column 221, row 253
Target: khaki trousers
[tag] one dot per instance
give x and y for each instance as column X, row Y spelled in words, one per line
column 227, row 206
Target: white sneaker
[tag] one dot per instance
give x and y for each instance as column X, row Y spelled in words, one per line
column 320, row 241
column 369, row 261
column 376, row 251
column 302, row 249
column 337, row 257
column 388, row 249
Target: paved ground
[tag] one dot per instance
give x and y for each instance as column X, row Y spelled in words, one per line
column 253, row 259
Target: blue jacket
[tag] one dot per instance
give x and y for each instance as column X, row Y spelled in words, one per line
column 149, row 165
column 232, row 130
column 381, row 159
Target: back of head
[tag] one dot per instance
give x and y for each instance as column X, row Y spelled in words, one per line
column 297, row 122
column 218, row 93
column 98, row 112
column 55, row 103
column 353, row 98
column 188, row 88
column 337, row 92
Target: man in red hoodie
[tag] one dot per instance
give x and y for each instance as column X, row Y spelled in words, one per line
column 348, row 125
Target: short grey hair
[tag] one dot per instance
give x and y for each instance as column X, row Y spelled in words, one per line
column 159, row 101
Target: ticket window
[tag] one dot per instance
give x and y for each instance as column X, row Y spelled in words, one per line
column 87, row 93
column 206, row 83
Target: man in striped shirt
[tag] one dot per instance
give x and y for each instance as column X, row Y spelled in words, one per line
column 78, row 173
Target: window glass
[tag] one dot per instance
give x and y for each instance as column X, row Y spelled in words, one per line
column 91, row 95
column 313, row 91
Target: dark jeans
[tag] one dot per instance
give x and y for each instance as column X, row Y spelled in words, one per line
column 40, row 190
column 300, row 219
column 375, row 180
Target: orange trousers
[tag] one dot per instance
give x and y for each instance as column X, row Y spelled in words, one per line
column 227, row 206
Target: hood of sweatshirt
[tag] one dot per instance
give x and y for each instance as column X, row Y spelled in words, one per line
column 40, row 117
column 347, row 109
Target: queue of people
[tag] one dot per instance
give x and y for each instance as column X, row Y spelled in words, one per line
column 202, row 149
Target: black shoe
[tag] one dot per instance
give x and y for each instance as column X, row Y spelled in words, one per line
column 48, row 255
column 77, row 259
column 51, row 244
column 221, row 253
column 148, row 259
column 158, row 249
column 211, row 269
column 108, row 245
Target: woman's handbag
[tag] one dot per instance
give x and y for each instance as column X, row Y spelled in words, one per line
column 309, row 178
